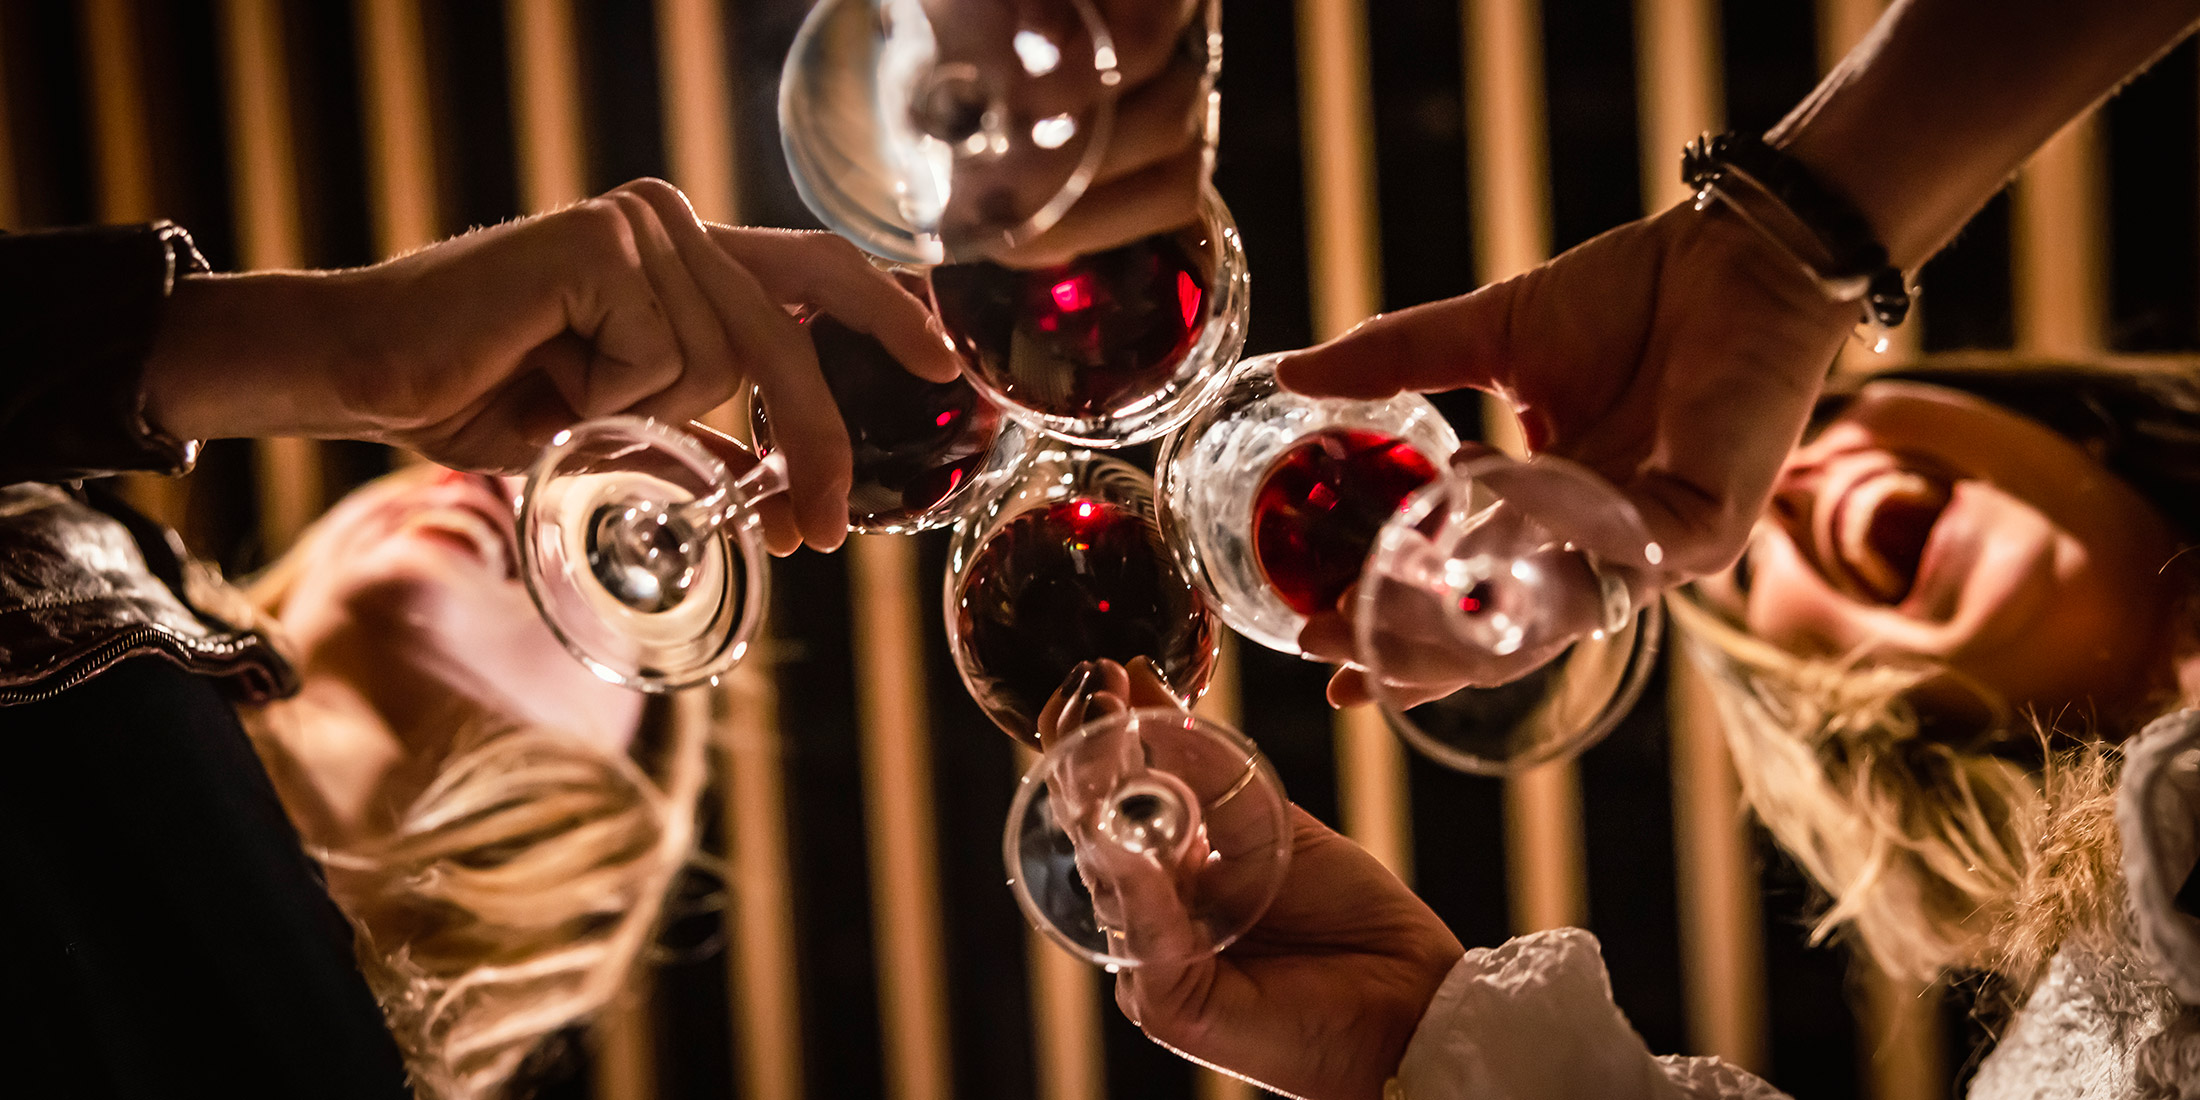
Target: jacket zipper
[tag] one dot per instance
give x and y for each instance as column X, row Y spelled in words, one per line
column 93, row 663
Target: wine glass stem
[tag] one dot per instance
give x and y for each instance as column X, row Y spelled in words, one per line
column 735, row 501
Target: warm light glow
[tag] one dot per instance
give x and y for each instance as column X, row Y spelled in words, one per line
column 944, row 419
column 1039, row 55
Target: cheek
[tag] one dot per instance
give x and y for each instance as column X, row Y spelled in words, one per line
column 1791, row 607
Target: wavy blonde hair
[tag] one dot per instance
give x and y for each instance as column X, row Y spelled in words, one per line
column 1983, row 848
column 517, row 892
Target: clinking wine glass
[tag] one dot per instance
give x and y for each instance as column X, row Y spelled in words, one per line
column 1503, row 611
column 1148, row 836
column 1065, row 565
column 1112, row 347
column 924, row 451
column 935, row 130
column 639, row 545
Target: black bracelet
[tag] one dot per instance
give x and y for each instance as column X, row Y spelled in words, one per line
column 1857, row 269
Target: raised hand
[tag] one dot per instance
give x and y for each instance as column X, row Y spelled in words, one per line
column 1321, row 997
column 476, row 350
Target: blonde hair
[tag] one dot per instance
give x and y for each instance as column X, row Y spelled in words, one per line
column 1938, row 853
column 517, row 891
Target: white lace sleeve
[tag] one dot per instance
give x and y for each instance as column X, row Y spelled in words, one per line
column 1533, row 1019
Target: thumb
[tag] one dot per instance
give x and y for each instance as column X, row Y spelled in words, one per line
column 1446, row 345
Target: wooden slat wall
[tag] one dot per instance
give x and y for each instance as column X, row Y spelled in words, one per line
column 1221, row 705
column 1507, row 158
column 1722, row 940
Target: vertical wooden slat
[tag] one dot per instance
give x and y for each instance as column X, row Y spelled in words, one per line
column 766, row 994
column 622, row 1043
column 1069, row 1059
column 2058, row 238
column 698, row 104
column 1221, row 705
column 1508, row 161
column 1722, row 927
column 264, row 189
column 1722, row 947
column 1337, row 124
column 546, row 110
column 1841, row 25
column 1900, row 1032
column 897, row 784
column 122, row 159
column 401, row 169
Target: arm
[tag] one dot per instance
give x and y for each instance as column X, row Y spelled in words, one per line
column 476, row 350
column 1679, row 355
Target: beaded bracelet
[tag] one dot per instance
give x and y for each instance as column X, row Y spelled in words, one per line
column 1853, row 266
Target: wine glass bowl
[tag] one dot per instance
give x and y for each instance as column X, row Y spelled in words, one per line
column 1148, row 836
column 1507, row 614
column 923, row 450
column 639, row 548
column 1112, row 347
column 929, row 139
column 1065, row 565
column 1271, row 499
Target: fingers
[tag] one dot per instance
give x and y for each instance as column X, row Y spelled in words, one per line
column 821, row 270
column 1144, row 686
column 781, row 536
column 1348, row 688
column 677, row 258
column 1458, row 342
column 1093, row 689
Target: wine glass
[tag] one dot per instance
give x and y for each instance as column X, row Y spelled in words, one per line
column 1508, row 614
column 1112, row 347
column 1066, row 565
column 1148, row 836
column 640, row 547
column 932, row 130
column 924, row 451
column 1281, row 506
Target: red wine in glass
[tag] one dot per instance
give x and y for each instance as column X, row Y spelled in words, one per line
column 1319, row 508
column 1072, row 581
column 916, row 442
column 1089, row 338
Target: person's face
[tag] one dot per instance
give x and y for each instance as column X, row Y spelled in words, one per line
column 413, row 598
column 1924, row 522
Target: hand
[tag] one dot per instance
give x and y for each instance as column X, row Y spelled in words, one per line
column 1678, row 356
column 1321, row 997
column 475, row 351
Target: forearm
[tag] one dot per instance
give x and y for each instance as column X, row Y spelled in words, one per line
column 1945, row 99
column 255, row 355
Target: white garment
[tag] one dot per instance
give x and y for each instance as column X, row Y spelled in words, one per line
column 1533, row 1019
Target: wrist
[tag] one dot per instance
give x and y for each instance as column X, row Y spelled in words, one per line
column 260, row 354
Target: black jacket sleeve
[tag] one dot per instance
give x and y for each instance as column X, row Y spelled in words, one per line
column 78, row 312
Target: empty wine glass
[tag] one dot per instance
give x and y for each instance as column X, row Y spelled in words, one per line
column 1508, row 613
column 933, row 130
column 924, row 451
column 640, row 548
column 1065, row 565
column 1530, row 641
column 1113, row 347
column 1148, row 836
